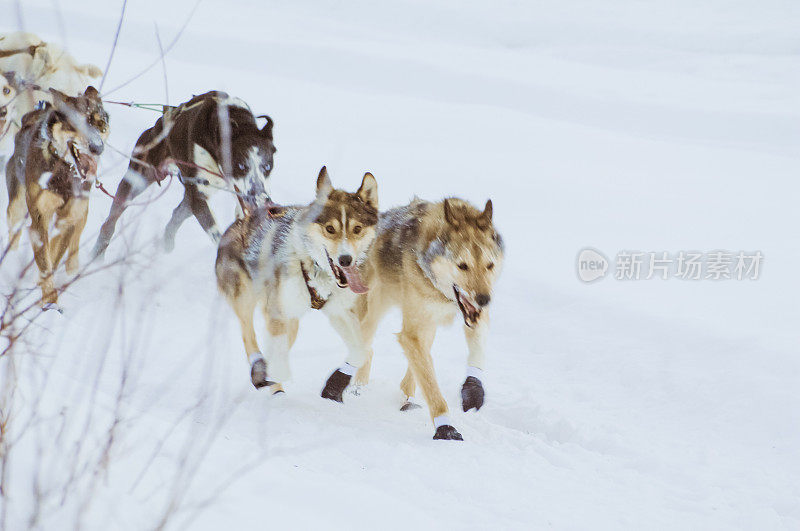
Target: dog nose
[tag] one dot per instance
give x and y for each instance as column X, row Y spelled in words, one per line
column 482, row 299
column 345, row 260
column 96, row 147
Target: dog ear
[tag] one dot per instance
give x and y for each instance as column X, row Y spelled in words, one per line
column 58, row 95
column 452, row 214
column 324, row 185
column 267, row 129
column 485, row 219
column 91, row 92
column 368, row 191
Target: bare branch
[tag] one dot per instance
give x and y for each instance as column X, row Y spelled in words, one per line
column 114, row 46
column 166, row 51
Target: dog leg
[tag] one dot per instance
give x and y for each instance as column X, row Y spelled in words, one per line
column 41, row 213
column 416, row 338
column 15, row 214
column 60, row 241
column 408, row 386
column 278, row 351
column 244, row 307
column 179, row 215
column 73, row 263
column 349, row 329
column 201, row 210
column 369, row 324
column 132, row 184
column 294, row 326
column 472, row 393
column 68, row 217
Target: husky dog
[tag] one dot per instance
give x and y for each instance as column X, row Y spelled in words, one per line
column 197, row 140
column 43, row 65
column 11, row 87
column 301, row 258
column 51, row 173
column 433, row 260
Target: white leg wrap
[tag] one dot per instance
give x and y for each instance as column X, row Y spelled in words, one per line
column 441, row 420
column 254, row 357
column 348, row 369
column 474, row 371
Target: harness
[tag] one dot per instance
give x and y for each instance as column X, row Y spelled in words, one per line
column 75, row 170
column 317, row 302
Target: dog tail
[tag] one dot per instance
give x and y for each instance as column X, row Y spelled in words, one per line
column 90, row 70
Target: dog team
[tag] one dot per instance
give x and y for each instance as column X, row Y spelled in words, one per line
column 339, row 254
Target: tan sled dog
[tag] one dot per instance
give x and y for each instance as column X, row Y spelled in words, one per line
column 39, row 66
column 294, row 260
column 433, row 260
column 51, row 174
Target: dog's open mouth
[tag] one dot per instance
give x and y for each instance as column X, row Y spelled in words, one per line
column 347, row 277
column 86, row 164
column 469, row 310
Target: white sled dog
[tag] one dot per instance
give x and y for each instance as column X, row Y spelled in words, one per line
column 433, row 260
column 292, row 259
column 37, row 66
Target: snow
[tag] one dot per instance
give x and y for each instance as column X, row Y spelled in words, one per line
column 614, row 125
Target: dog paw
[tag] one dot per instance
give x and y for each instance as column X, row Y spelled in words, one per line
column 258, row 374
column 445, row 432
column 408, row 405
column 335, row 386
column 52, row 306
column 472, row 394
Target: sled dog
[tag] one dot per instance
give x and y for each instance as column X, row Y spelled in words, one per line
column 51, row 173
column 301, row 258
column 11, row 87
column 434, row 261
column 39, row 66
column 197, row 141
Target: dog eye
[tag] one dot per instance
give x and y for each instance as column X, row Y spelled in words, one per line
column 463, row 266
column 330, row 229
column 357, row 229
column 241, row 166
column 490, row 266
column 6, row 91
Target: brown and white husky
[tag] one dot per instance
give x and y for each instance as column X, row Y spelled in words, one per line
column 297, row 259
column 434, row 261
column 50, row 175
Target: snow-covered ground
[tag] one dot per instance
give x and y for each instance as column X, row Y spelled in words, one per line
column 619, row 125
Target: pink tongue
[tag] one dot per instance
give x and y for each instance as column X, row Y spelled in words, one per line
column 469, row 307
column 354, row 279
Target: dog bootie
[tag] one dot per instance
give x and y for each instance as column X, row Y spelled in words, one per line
column 335, row 386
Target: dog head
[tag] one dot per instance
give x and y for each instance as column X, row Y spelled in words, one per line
column 343, row 228
column 9, row 88
column 8, row 91
column 252, row 162
column 465, row 259
column 83, row 126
